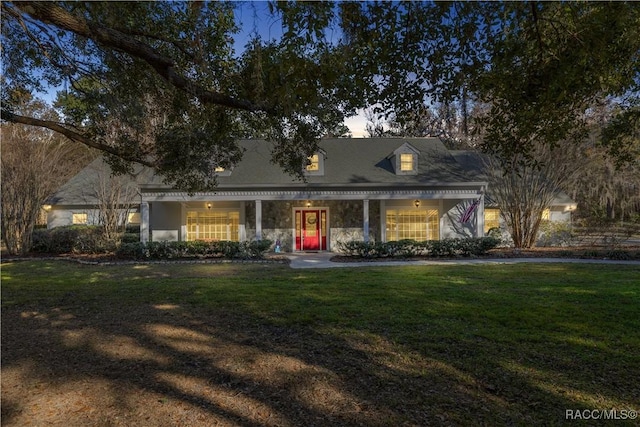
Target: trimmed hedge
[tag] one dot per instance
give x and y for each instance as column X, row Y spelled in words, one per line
column 83, row 239
column 88, row 239
column 196, row 249
column 412, row 248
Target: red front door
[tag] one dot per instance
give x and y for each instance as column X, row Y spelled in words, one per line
column 310, row 230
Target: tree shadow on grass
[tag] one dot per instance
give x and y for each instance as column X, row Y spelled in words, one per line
column 173, row 364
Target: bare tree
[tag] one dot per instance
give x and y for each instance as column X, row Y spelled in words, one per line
column 114, row 197
column 523, row 190
column 34, row 163
column 375, row 124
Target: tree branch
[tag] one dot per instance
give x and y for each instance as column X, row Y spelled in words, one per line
column 72, row 135
column 113, row 39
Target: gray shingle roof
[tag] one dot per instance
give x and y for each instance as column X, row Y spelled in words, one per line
column 360, row 162
column 81, row 189
column 348, row 162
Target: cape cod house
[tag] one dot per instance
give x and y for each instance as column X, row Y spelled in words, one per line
column 381, row 189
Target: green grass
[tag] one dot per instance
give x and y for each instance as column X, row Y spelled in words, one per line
column 492, row 344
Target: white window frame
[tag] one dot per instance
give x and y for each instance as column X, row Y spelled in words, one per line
column 490, row 223
column 230, row 235
column 405, row 149
column 134, row 218
column 77, row 222
column 432, row 221
column 402, row 163
column 319, row 171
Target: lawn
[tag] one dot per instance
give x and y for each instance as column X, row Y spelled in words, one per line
column 262, row 344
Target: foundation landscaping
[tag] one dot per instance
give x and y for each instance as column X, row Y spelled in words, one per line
column 87, row 242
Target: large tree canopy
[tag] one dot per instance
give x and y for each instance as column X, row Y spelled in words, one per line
column 159, row 83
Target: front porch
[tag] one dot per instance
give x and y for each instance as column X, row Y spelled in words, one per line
column 312, row 220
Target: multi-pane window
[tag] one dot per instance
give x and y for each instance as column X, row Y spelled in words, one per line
column 213, row 225
column 407, row 162
column 79, row 218
column 491, row 219
column 546, row 214
column 314, row 163
column 416, row 224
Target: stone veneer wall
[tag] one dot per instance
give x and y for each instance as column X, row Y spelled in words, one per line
column 345, row 220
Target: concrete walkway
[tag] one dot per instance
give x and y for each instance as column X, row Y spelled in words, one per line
column 322, row 260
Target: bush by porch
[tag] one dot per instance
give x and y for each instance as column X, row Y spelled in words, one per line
column 411, row 248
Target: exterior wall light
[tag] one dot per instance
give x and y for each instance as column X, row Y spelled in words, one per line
column 208, row 205
column 416, row 203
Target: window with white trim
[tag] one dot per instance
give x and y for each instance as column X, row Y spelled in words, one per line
column 213, row 225
column 133, row 218
column 546, row 214
column 79, row 219
column 491, row 219
column 407, row 162
column 405, row 159
column 415, row 224
column 315, row 164
column 220, row 171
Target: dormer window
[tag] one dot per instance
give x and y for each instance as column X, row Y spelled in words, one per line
column 405, row 160
column 315, row 164
column 220, row 171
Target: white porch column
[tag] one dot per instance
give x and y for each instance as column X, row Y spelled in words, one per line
column 383, row 221
column 365, row 220
column 258, row 219
column 243, row 219
column 480, row 217
column 144, row 222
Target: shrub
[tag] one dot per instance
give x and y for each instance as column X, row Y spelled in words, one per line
column 135, row 250
column 85, row 239
column 406, row 248
column 130, row 237
column 442, row 248
column 479, row 246
column 591, row 253
column 166, row 250
column 619, row 255
column 360, row 249
column 228, row 249
column 196, row 249
column 40, row 240
column 257, row 248
column 133, row 229
column 503, row 236
column 555, row 233
column 409, row 248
